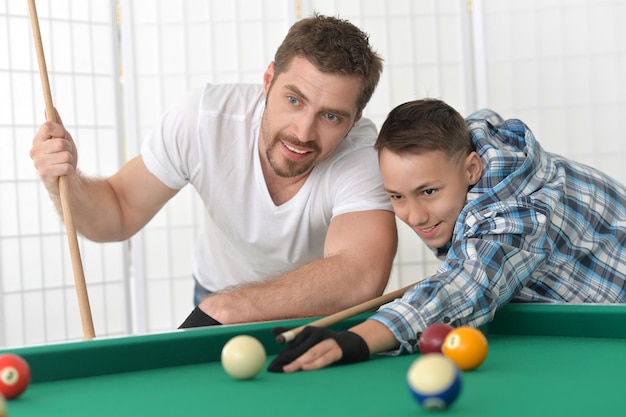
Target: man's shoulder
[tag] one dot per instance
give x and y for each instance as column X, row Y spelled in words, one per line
column 357, row 149
column 236, row 89
column 362, row 135
column 233, row 99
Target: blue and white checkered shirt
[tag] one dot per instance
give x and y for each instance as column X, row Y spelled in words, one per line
column 537, row 227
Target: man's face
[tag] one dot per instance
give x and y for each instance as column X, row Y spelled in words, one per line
column 428, row 191
column 307, row 115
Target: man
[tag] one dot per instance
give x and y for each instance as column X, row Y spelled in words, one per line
column 511, row 222
column 297, row 223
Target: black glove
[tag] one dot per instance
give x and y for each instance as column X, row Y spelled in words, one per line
column 198, row 318
column 352, row 345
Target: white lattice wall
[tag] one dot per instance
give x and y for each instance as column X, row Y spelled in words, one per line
column 558, row 65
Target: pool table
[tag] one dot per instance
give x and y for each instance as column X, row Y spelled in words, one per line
column 556, row 360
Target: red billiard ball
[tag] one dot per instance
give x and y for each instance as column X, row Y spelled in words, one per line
column 14, row 375
column 431, row 340
column 466, row 346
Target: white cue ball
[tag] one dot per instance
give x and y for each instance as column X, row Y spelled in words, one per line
column 243, row 357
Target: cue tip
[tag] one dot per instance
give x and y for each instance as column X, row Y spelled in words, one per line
column 285, row 337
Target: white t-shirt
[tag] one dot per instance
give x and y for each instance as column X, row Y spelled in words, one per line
column 210, row 141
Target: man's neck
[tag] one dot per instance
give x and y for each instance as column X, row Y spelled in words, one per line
column 281, row 189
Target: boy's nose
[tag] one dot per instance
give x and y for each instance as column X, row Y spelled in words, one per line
column 417, row 215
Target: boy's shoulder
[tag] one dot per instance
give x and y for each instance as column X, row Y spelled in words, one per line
column 485, row 114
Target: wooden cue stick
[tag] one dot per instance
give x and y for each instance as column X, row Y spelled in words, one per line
column 289, row 335
column 77, row 266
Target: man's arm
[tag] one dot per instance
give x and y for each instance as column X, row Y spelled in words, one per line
column 109, row 209
column 359, row 251
column 137, row 195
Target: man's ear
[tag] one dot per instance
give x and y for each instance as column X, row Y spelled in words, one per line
column 268, row 76
column 474, row 166
column 357, row 118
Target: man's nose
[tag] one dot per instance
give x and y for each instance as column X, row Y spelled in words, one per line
column 304, row 127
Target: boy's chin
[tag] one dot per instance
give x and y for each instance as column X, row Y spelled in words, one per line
column 437, row 244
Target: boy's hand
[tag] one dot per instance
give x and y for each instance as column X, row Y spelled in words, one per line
column 317, row 347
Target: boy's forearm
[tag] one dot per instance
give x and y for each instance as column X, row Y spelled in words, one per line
column 377, row 336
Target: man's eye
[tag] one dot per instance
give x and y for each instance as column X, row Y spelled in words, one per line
column 395, row 197
column 331, row 117
column 293, row 100
column 429, row 191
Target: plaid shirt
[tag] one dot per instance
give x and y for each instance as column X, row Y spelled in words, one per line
column 536, row 228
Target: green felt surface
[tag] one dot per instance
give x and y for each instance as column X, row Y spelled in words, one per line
column 527, row 373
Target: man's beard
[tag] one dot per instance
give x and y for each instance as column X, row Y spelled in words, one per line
column 290, row 168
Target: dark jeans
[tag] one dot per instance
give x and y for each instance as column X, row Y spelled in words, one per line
column 199, row 293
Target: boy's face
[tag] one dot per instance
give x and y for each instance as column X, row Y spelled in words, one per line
column 428, row 191
column 307, row 115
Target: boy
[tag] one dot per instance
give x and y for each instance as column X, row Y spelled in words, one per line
column 511, row 221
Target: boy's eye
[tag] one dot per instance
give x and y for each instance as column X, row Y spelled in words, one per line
column 395, row 197
column 430, row 191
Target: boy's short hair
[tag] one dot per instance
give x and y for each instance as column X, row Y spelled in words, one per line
column 425, row 125
column 333, row 45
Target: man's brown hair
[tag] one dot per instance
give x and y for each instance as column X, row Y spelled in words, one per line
column 333, row 45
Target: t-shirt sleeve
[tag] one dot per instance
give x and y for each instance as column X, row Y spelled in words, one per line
column 170, row 152
column 354, row 179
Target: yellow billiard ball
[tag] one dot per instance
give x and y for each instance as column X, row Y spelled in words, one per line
column 466, row 346
column 243, row 357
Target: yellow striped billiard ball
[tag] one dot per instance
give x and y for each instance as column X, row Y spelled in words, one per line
column 466, row 346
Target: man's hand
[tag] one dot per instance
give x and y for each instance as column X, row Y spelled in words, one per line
column 54, row 155
column 317, row 347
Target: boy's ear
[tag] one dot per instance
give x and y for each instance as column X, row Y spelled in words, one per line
column 474, row 166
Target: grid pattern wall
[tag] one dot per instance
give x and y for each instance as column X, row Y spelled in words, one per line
column 557, row 65
column 38, row 300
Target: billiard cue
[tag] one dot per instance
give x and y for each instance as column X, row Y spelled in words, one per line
column 370, row 305
column 77, row 266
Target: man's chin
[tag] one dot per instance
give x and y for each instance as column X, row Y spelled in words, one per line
column 289, row 170
column 292, row 173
